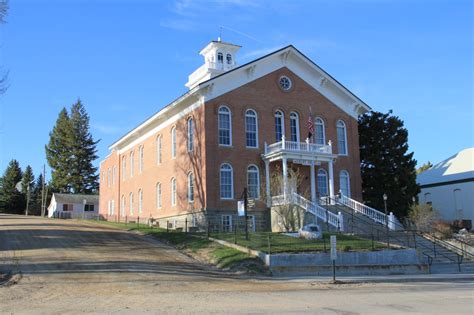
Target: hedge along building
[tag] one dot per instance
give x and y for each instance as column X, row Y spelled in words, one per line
column 236, row 125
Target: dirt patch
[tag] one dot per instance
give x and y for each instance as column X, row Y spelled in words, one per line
column 9, row 279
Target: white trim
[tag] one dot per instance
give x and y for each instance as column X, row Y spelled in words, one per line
column 190, row 185
column 326, row 182
column 190, row 135
column 140, row 158
column 323, row 124
column 297, row 126
column 345, row 138
column 258, row 179
column 174, row 142
column 344, row 173
column 122, row 206
column 281, row 115
column 159, row 149
column 130, row 202
column 256, row 128
column 124, row 166
column 159, row 194
column 230, row 221
column 230, row 125
column 140, row 201
column 231, row 182
column 173, row 192
column 132, row 162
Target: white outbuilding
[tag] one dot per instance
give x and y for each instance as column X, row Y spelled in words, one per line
column 449, row 187
column 68, row 206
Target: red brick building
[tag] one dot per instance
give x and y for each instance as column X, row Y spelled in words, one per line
column 232, row 129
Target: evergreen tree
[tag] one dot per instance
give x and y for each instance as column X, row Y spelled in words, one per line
column 84, row 176
column 59, row 153
column 27, row 182
column 35, row 200
column 11, row 200
column 386, row 165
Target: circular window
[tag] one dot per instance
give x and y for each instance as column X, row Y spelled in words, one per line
column 285, row 83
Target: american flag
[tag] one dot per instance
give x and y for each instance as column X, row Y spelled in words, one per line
column 310, row 126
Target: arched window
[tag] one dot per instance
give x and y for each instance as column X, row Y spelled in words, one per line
column 158, row 195
column 122, row 206
column 294, row 127
column 114, row 174
column 190, row 135
column 251, row 129
column 173, row 191
column 226, row 182
column 159, row 144
column 344, row 183
column 124, row 166
column 108, row 177
column 140, row 159
column 225, row 126
column 131, row 164
column 131, row 203
column 190, row 187
column 229, row 59
column 320, row 133
column 253, row 182
column 112, row 207
column 173, row 142
column 341, row 138
column 279, row 125
column 428, row 199
column 140, row 201
column 220, row 57
column 322, row 183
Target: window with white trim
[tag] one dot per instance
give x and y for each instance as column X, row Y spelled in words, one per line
column 229, row 59
column 279, row 125
column 158, row 195
column 226, row 182
column 226, row 223
column 140, row 159
column 190, row 133
column 190, row 187
column 112, row 207
column 253, row 182
column 173, row 191
column 294, row 127
column 132, row 162
column 322, row 182
column 428, row 200
column 173, row 142
column 225, row 126
column 131, row 203
column 122, row 206
column 114, row 174
column 140, row 201
column 341, row 138
column 320, row 133
column 251, row 129
column 108, row 177
column 344, row 183
column 220, row 57
column 251, row 222
column 159, row 145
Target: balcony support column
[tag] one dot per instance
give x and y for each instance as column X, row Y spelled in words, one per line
column 313, row 182
column 285, row 178
column 331, row 181
column 267, row 183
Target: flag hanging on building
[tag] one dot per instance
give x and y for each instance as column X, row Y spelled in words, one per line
column 310, row 126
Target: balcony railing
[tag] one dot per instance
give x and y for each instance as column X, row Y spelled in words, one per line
column 298, row 147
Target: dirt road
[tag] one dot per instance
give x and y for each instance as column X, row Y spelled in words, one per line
column 71, row 267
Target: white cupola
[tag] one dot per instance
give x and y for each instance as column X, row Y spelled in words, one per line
column 219, row 57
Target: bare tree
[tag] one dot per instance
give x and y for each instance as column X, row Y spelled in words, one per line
column 424, row 217
column 289, row 215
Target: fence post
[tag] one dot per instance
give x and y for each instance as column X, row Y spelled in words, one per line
column 186, row 225
column 138, row 223
column 167, row 226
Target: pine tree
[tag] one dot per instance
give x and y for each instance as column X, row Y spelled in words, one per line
column 27, row 181
column 11, row 200
column 424, row 167
column 35, row 200
column 84, row 176
column 59, row 153
column 386, row 165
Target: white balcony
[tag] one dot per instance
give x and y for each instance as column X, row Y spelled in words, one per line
column 298, row 147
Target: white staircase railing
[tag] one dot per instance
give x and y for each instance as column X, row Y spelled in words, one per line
column 336, row 220
column 370, row 212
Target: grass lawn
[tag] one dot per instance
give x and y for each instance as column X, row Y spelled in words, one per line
column 222, row 256
column 279, row 243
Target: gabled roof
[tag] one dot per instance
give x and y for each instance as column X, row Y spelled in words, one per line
column 350, row 99
column 76, row 198
column 456, row 168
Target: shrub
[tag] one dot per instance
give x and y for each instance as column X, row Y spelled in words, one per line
column 346, row 248
column 423, row 216
column 443, row 230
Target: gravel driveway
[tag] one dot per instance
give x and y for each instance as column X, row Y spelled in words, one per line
column 65, row 266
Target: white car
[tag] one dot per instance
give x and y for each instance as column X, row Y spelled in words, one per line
column 311, row 231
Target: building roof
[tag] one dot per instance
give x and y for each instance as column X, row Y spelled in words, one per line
column 75, row 198
column 203, row 85
column 456, row 168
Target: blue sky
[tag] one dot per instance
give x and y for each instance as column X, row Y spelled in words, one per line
column 128, row 59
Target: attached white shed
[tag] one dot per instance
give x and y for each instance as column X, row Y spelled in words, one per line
column 68, row 206
column 449, row 187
